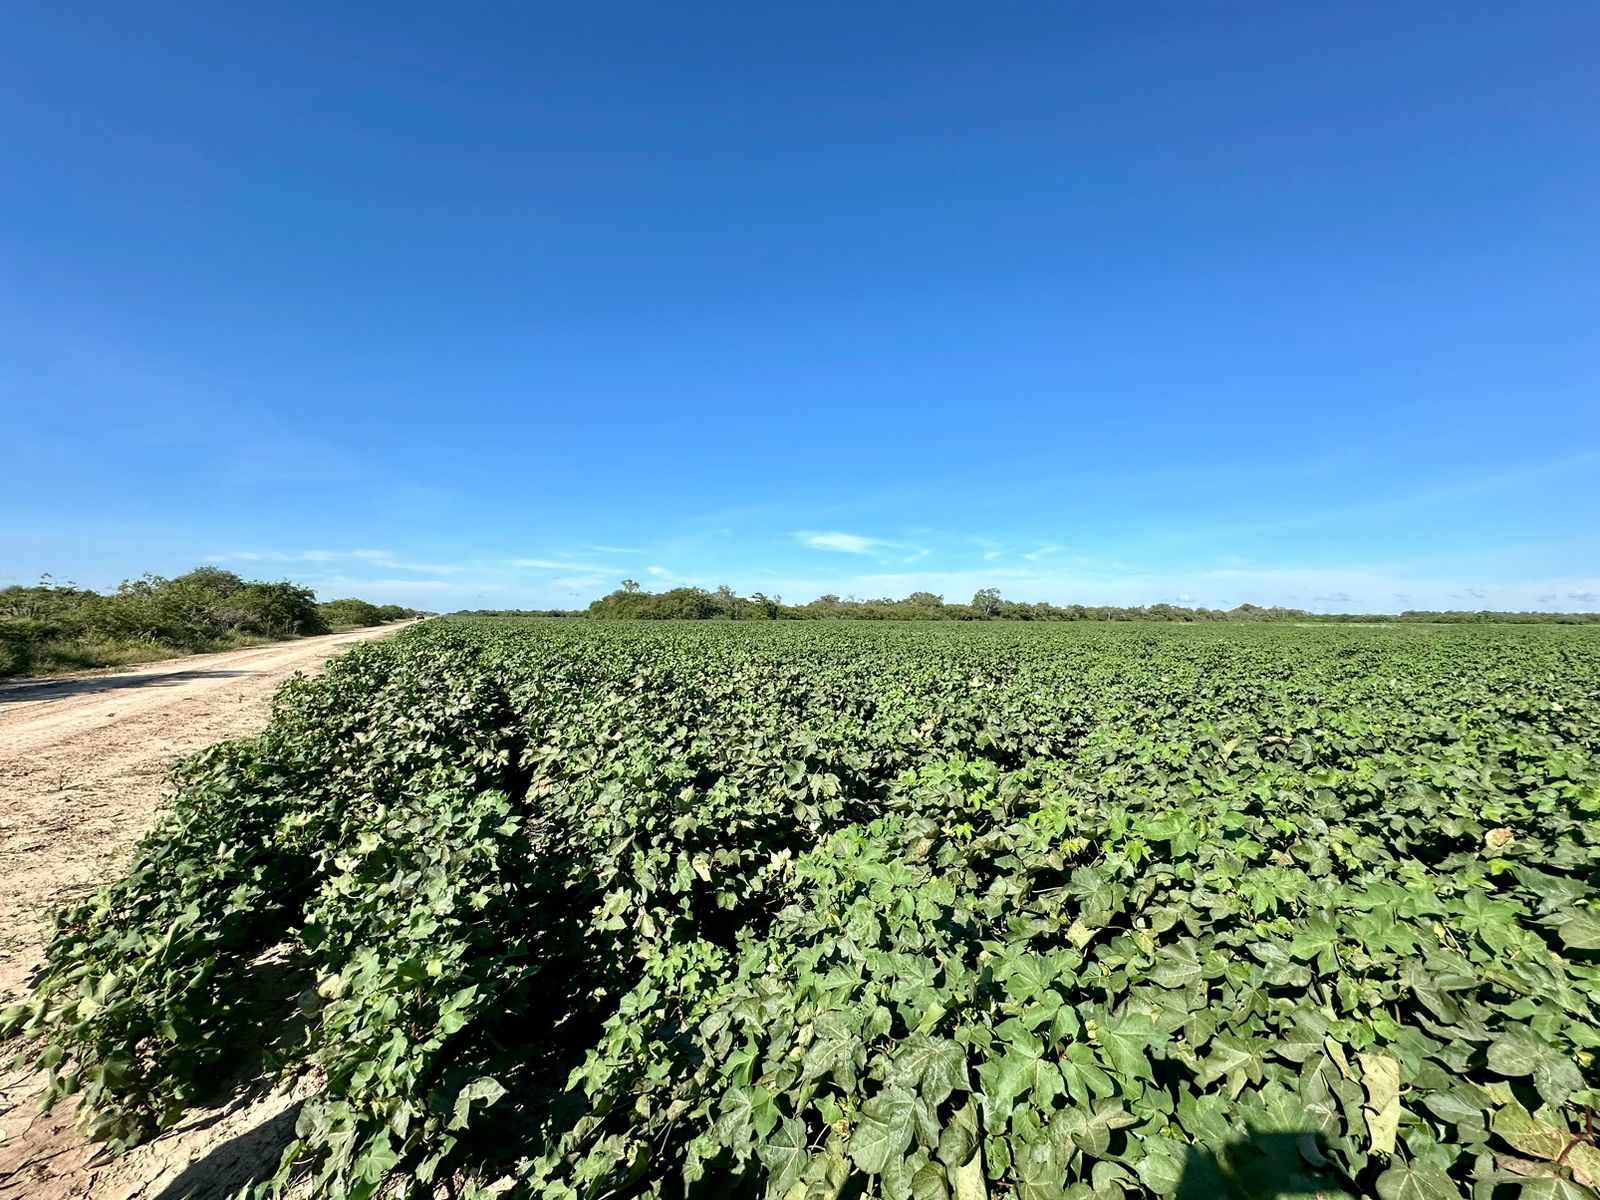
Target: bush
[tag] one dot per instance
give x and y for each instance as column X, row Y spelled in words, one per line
column 52, row 627
column 350, row 612
column 19, row 638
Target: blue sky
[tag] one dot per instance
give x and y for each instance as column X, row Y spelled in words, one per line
column 495, row 305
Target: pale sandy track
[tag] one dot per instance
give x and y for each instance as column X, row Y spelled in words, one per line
column 83, row 769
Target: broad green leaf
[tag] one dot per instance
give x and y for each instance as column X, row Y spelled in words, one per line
column 482, row 1089
column 928, row 1183
column 1176, row 965
column 1084, row 1078
column 1516, row 1052
column 1581, row 931
column 1238, row 1060
column 1090, row 1128
column 1380, row 1076
column 1017, row 1074
column 935, row 1065
column 1124, row 1037
column 1161, row 1168
column 958, row 1140
column 1407, row 1181
column 967, row 1181
column 1551, row 1187
column 785, row 1155
column 1525, row 1133
column 885, row 1130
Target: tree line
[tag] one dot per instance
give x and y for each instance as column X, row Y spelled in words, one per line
column 630, row 602
column 59, row 626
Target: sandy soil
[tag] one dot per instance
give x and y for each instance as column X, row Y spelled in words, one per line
column 83, row 769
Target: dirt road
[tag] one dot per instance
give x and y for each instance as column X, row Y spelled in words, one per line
column 83, row 769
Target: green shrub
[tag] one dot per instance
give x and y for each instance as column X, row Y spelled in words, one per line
column 350, row 612
column 55, row 627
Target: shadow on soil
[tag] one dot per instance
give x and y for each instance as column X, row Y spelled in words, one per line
column 249, row 1158
column 61, row 689
column 276, row 1026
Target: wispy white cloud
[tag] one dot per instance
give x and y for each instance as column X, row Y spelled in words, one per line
column 251, row 556
column 389, row 561
column 598, row 549
column 991, row 549
column 666, row 575
column 884, row 550
column 845, row 543
column 332, row 587
column 844, row 561
column 579, row 584
column 380, row 559
column 561, row 564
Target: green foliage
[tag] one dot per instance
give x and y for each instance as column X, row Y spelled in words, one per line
column 630, row 603
column 196, row 608
column 59, row 627
column 20, row 638
column 349, row 612
column 580, row 910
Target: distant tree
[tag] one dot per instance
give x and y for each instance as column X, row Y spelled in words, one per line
column 350, row 612
column 282, row 608
column 203, row 609
column 987, row 601
column 689, row 603
column 212, row 579
column 630, row 586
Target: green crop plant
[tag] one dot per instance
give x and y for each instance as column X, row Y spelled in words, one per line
column 593, row 911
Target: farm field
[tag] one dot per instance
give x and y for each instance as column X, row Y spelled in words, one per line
column 571, row 909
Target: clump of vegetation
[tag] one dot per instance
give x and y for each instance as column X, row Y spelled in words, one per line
column 587, row 910
column 631, row 602
column 356, row 614
column 58, row 627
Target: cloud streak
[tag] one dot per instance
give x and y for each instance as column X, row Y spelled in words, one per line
column 385, row 559
column 802, row 564
column 561, row 564
column 884, row 550
column 843, row 543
